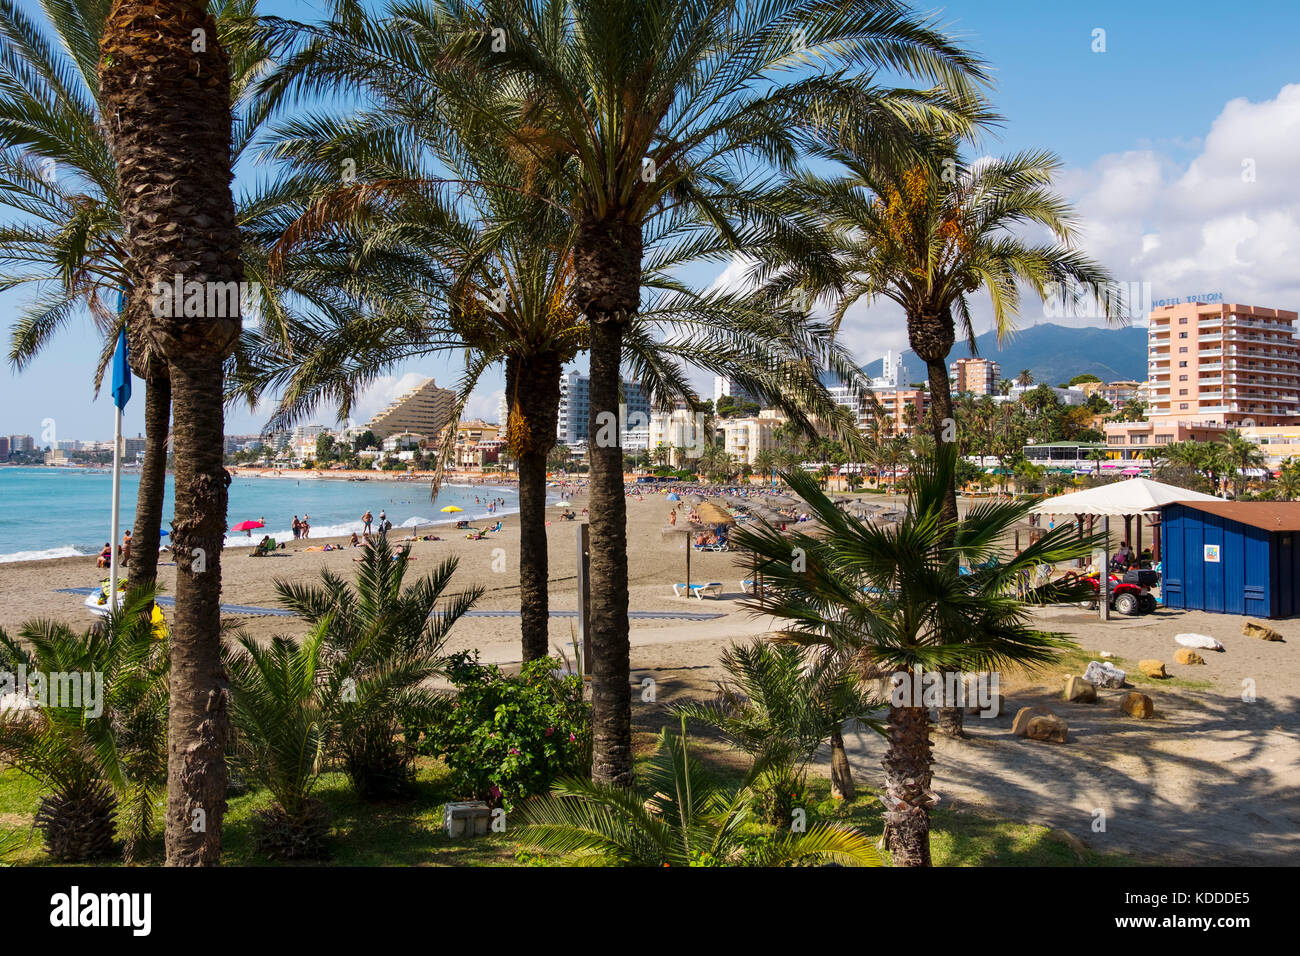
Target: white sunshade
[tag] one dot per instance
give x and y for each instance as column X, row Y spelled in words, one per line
column 1121, row 498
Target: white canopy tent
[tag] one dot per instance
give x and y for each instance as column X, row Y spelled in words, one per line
column 1119, row 499
column 1122, row 499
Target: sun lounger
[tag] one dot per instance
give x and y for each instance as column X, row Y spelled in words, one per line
column 718, row 546
column 747, row 585
column 713, row 588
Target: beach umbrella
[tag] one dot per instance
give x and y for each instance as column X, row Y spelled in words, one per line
column 450, row 508
column 414, row 522
column 714, row 514
column 674, row 496
column 248, row 526
column 562, row 504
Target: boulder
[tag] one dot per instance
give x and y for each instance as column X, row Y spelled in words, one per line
column 1104, row 674
column 1138, row 705
column 1078, row 689
column 1200, row 641
column 1024, row 715
column 1050, row 728
column 1255, row 629
column 1153, row 668
column 1185, row 655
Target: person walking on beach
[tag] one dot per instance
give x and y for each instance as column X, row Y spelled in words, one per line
column 126, row 549
column 297, row 528
column 366, row 519
column 306, row 527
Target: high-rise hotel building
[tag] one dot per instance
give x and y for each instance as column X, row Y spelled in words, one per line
column 1229, row 365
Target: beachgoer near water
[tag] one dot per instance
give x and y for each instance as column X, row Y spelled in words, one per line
column 126, row 548
column 105, row 557
column 297, row 528
column 366, row 519
column 354, row 542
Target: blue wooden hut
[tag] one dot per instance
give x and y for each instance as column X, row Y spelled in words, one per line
column 1231, row 557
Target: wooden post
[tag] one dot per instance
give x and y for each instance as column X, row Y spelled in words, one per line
column 1138, row 549
column 1104, row 581
column 584, row 594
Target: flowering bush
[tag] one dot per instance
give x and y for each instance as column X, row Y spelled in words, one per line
column 505, row 738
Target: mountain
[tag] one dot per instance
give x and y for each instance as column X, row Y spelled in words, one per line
column 1054, row 353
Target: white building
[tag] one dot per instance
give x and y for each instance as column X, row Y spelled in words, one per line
column 744, row 438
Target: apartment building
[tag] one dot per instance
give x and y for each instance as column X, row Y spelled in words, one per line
column 573, row 427
column 1225, row 364
column 744, row 438
column 424, row 410
column 977, row 376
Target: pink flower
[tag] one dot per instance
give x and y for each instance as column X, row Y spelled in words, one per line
column 572, row 739
column 514, row 751
column 549, row 731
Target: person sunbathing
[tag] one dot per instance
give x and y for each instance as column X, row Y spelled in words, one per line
column 355, row 541
column 105, row 557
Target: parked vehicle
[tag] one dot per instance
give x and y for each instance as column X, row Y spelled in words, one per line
column 1129, row 595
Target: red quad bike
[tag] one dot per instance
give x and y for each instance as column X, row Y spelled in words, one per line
column 1129, row 595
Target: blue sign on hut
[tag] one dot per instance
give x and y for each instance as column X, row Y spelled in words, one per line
column 1232, row 557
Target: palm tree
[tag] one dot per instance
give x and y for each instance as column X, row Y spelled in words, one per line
column 281, row 742
column 1242, row 455
column 779, row 705
column 648, row 112
column 105, row 770
column 683, row 818
column 1025, row 378
column 167, row 111
column 926, row 593
column 382, row 643
column 1097, row 456
column 493, row 271
column 1288, row 480
column 57, row 169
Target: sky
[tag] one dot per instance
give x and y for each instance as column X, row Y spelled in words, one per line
column 1178, row 125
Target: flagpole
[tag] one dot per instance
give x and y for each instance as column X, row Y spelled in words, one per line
column 121, row 395
column 117, row 506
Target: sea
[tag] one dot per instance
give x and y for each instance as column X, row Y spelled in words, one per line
column 64, row 512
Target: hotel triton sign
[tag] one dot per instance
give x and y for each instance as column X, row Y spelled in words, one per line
column 1206, row 297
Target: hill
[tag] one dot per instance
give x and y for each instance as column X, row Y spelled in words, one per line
column 1054, row 353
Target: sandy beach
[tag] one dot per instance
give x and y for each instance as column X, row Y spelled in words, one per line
column 1208, row 756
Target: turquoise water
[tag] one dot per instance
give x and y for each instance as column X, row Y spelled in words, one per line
column 60, row 512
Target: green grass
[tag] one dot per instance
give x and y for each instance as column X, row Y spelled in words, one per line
column 1075, row 661
column 409, row 832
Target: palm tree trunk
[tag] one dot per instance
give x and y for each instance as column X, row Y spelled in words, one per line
column 907, row 786
column 932, row 337
column 166, row 88
column 842, row 786
column 607, row 282
column 533, row 388
column 153, row 482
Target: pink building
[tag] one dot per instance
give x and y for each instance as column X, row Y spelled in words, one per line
column 1223, row 364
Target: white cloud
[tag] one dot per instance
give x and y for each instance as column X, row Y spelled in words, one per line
column 382, row 392
column 484, row 405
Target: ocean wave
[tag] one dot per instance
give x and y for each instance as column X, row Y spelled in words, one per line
column 48, row 554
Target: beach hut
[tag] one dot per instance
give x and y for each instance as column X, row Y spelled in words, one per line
column 1232, row 557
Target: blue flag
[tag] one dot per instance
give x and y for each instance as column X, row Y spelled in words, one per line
column 121, row 373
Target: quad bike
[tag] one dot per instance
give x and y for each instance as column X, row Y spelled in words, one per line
column 1129, row 595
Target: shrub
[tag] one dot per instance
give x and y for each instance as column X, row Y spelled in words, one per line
column 505, row 738
column 104, row 765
